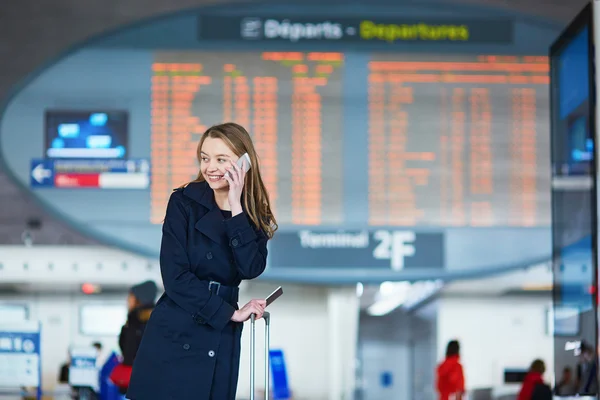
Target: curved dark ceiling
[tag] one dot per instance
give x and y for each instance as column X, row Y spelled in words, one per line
column 35, row 32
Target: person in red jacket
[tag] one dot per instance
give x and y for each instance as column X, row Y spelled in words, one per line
column 533, row 382
column 450, row 380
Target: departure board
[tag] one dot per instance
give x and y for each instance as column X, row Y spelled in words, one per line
column 290, row 102
column 458, row 141
column 450, row 140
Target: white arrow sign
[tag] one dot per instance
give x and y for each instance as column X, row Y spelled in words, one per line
column 40, row 173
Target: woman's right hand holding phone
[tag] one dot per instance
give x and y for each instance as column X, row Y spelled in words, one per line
column 255, row 306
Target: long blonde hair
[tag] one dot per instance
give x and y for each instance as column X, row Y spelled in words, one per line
column 255, row 197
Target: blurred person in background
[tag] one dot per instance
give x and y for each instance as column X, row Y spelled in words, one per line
column 99, row 354
column 533, row 387
column 63, row 374
column 215, row 235
column 587, row 371
column 566, row 386
column 140, row 303
column 450, row 380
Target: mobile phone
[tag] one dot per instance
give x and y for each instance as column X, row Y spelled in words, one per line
column 275, row 295
column 244, row 157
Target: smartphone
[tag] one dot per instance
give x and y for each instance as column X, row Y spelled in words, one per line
column 275, row 295
column 244, row 157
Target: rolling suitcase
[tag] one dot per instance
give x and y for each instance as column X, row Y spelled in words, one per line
column 267, row 318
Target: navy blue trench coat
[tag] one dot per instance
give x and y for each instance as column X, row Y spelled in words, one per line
column 191, row 348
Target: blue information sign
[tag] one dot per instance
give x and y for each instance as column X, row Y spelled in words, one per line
column 42, row 173
column 386, row 379
column 83, row 371
column 280, row 386
column 90, row 173
column 20, row 364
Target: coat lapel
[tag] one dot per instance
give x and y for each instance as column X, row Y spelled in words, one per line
column 211, row 223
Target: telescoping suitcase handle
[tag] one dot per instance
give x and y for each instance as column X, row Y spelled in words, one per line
column 267, row 318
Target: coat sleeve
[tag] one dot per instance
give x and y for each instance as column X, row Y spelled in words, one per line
column 181, row 285
column 249, row 246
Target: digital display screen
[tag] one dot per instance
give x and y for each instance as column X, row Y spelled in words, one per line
column 86, row 134
column 102, row 319
column 564, row 321
column 574, row 204
column 449, row 140
column 291, row 102
column 573, row 150
column 572, row 159
column 476, row 162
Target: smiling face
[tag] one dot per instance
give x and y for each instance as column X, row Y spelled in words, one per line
column 215, row 158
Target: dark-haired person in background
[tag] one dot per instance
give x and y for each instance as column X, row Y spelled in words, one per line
column 63, row 375
column 450, row 380
column 140, row 303
column 99, row 354
column 587, row 371
column 566, row 386
column 534, row 387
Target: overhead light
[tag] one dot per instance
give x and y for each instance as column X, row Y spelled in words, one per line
column 383, row 307
column 387, row 289
column 421, row 291
column 391, row 296
column 402, row 294
column 359, row 289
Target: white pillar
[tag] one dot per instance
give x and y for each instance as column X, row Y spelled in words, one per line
column 343, row 313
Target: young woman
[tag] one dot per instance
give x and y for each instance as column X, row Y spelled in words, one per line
column 450, row 380
column 214, row 235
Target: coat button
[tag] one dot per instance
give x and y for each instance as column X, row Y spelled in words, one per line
column 235, row 242
column 211, row 353
column 209, row 255
column 186, row 346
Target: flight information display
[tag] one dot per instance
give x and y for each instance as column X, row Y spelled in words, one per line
column 291, row 104
column 449, row 140
column 458, row 141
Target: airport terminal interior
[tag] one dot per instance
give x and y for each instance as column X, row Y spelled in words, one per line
column 430, row 167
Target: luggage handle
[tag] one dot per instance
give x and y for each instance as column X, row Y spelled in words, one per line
column 267, row 318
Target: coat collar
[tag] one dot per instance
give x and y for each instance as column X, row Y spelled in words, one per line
column 211, row 223
column 201, row 193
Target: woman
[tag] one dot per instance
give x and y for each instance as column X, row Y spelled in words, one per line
column 214, row 235
column 450, row 378
column 534, row 387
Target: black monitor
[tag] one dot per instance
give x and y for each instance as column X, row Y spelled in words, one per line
column 85, row 134
column 572, row 88
column 573, row 163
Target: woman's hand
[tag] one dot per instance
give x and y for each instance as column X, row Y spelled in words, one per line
column 256, row 306
column 235, row 176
